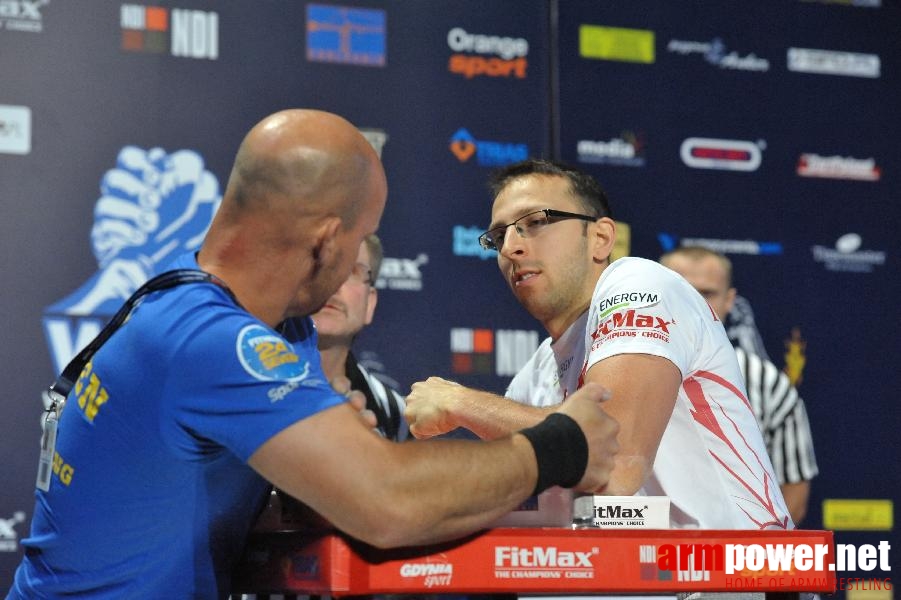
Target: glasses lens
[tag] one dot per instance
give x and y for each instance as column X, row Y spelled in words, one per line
column 486, row 241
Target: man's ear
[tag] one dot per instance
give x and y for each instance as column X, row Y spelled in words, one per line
column 603, row 239
column 325, row 241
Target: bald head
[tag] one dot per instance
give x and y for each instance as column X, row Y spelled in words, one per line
column 707, row 271
column 305, row 189
column 315, row 160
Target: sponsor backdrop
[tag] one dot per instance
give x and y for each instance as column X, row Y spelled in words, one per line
column 768, row 132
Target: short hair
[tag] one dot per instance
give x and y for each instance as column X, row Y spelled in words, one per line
column 582, row 186
column 376, row 254
column 696, row 253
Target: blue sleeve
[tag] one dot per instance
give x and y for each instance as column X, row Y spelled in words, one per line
column 241, row 383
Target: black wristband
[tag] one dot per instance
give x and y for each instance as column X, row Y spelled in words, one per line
column 560, row 449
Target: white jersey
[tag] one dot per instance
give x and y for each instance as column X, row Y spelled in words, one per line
column 712, row 462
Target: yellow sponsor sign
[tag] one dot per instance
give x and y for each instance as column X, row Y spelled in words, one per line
column 869, row 590
column 616, row 43
column 857, row 515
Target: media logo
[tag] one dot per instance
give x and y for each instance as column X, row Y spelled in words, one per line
column 669, row 241
column 340, row 34
column 488, row 153
column 15, row 129
column 181, row 32
column 831, row 62
column 507, row 55
column 489, row 352
column 466, row 243
column 22, row 15
column 717, row 54
column 847, row 255
column 727, row 155
column 616, row 43
column 838, row 167
column 627, row 150
column 9, row 539
column 153, row 206
column 402, row 273
column 377, row 138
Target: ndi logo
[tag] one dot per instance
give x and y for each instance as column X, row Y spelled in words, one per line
column 488, row 352
column 194, row 33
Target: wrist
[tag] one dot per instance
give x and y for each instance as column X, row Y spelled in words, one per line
column 561, row 451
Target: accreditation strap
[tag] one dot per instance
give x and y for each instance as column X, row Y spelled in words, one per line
column 55, row 396
column 163, row 281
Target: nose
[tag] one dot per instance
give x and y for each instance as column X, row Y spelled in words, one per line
column 513, row 242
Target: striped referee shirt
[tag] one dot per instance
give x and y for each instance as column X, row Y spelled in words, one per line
column 782, row 418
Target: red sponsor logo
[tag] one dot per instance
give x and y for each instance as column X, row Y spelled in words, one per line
column 632, row 324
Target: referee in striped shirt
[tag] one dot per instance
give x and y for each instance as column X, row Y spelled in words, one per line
column 779, row 409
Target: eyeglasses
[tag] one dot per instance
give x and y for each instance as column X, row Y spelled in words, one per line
column 527, row 226
column 361, row 273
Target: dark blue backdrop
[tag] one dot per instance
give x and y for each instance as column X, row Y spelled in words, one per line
column 767, row 130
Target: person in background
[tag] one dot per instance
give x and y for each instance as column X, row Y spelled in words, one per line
column 211, row 393
column 779, row 409
column 344, row 315
column 632, row 325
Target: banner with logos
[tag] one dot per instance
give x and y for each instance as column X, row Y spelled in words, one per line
column 767, row 133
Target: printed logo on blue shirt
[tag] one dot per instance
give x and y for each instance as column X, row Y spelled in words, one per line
column 268, row 357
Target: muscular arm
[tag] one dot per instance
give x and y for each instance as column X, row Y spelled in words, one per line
column 391, row 494
column 437, row 406
column 643, row 393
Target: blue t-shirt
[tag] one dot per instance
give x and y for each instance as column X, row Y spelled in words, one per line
column 151, row 495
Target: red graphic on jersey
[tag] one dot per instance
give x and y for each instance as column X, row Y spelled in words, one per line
column 706, row 416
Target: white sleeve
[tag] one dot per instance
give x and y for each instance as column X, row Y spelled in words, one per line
column 644, row 308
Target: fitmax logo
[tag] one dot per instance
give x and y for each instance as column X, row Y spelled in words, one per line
column 538, row 556
column 618, row 512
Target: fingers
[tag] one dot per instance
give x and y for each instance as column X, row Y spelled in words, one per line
column 341, row 384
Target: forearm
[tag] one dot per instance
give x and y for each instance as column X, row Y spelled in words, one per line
column 401, row 494
column 490, row 416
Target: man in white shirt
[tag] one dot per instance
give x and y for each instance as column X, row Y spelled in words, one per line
column 779, row 409
column 686, row 428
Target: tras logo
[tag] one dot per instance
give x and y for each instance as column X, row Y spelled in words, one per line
column 184, row 33
column 488, row 153
column 153, row 206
